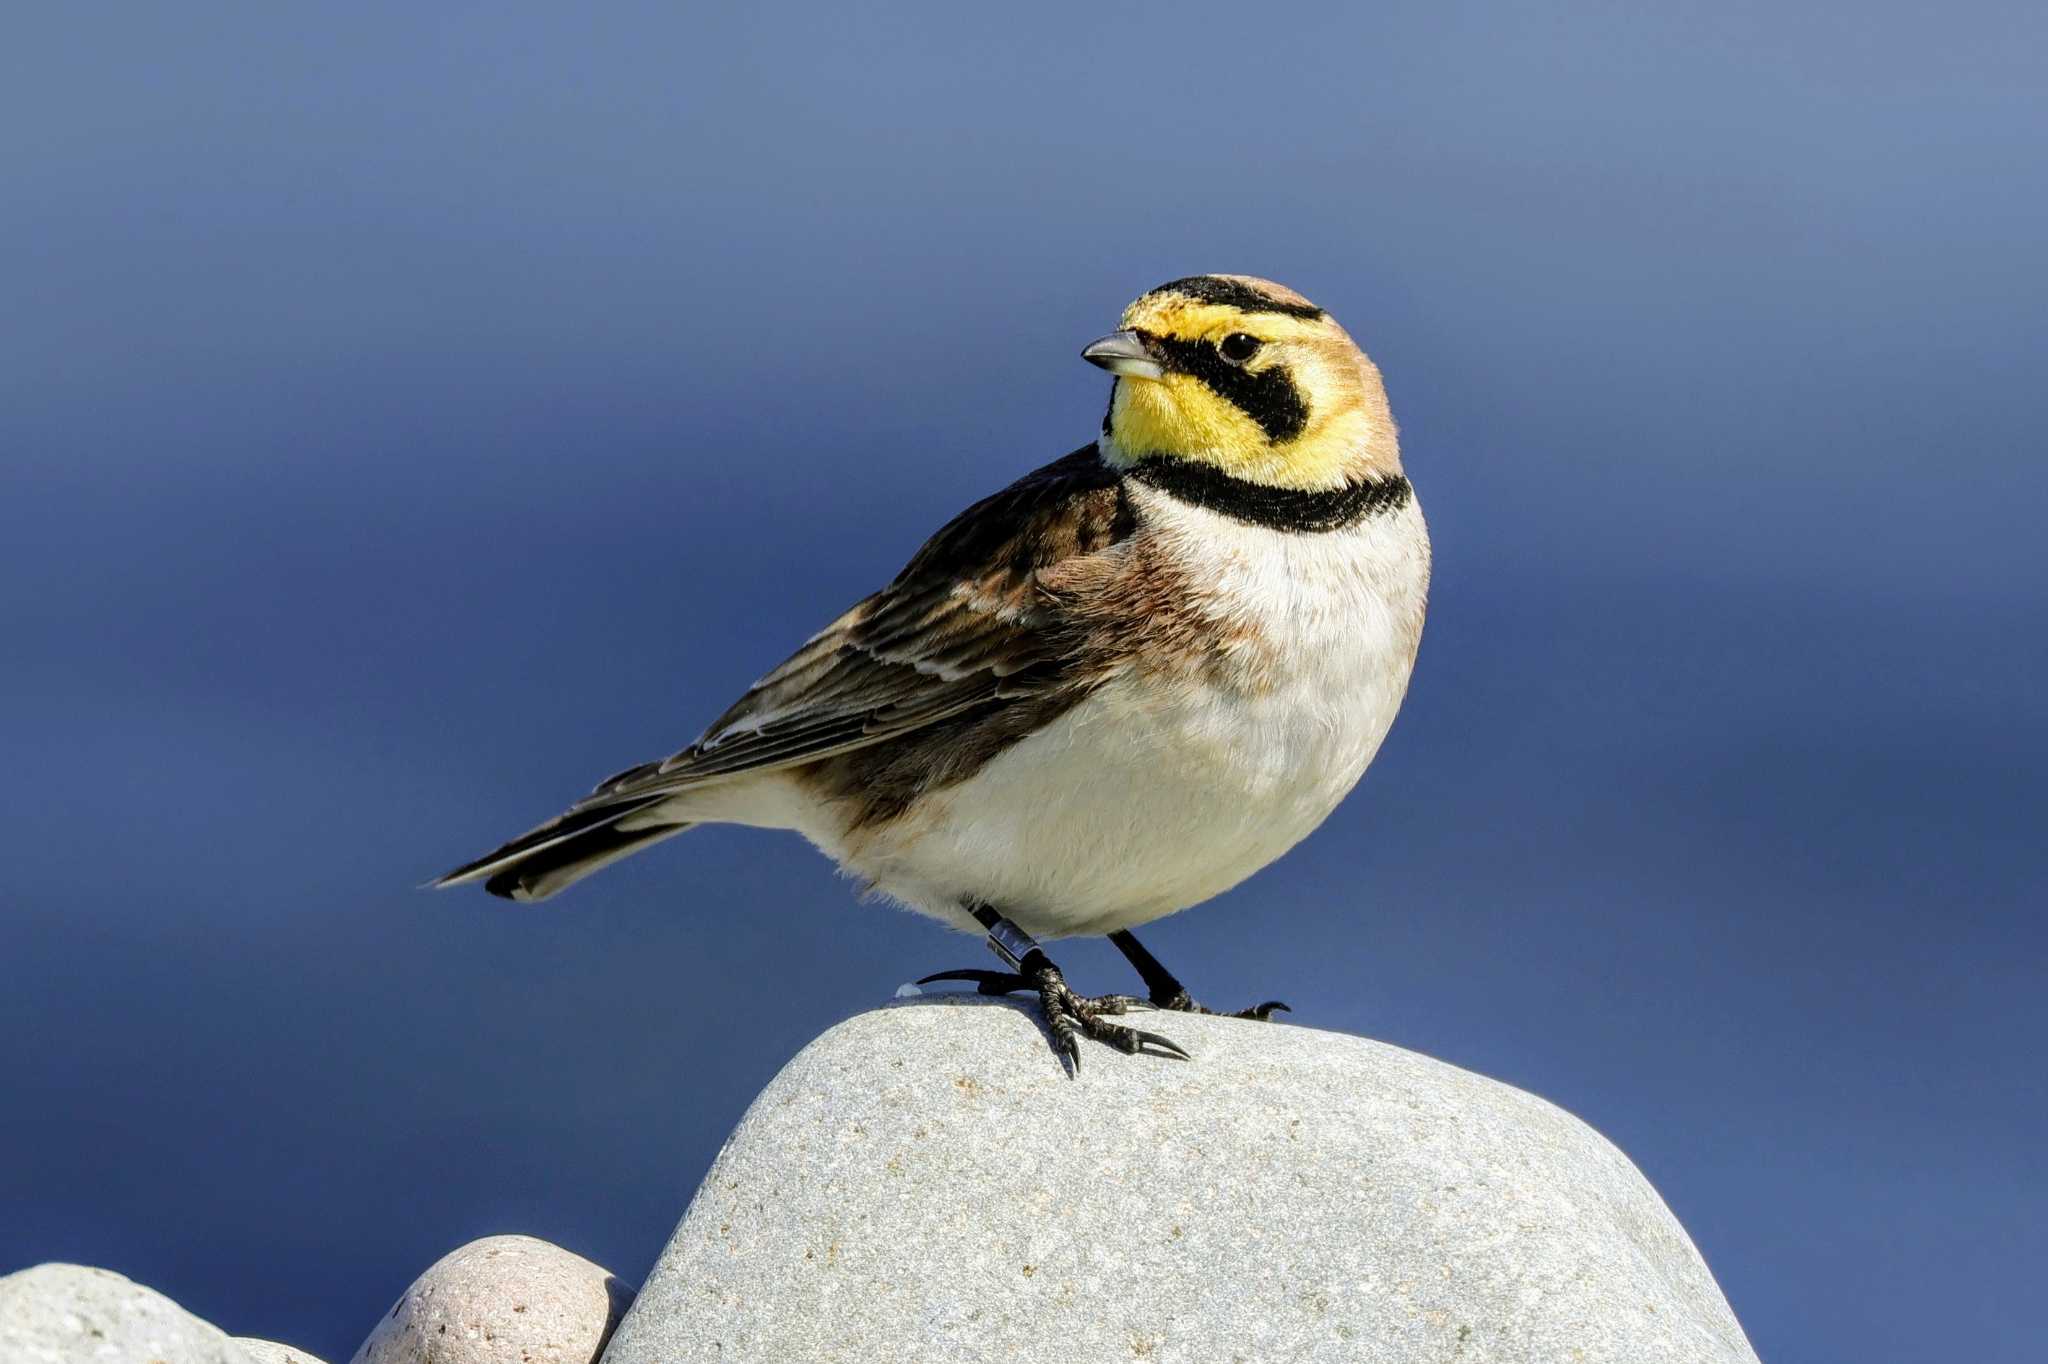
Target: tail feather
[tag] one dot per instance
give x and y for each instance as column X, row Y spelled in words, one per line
column 563, row 865
column 561, row 852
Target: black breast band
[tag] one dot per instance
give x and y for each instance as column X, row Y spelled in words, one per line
column 1255, row 504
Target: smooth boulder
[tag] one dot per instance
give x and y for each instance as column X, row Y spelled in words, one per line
column 274, row 1352
column 72, row 1314
column 501, row 1300
column 925, row 1182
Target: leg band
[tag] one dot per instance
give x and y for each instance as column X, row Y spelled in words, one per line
column 1005, row 939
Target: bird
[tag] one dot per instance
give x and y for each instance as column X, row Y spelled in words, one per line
column 1107, row 693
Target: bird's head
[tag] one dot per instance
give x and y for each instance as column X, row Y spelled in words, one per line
column 1249, row 376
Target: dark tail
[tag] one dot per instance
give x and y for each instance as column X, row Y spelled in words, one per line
column 562, row 851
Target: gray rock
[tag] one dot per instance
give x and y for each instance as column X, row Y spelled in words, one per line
column 501, row 1300
column 923, row 1182
column 69, row 1314
column 272, row 1352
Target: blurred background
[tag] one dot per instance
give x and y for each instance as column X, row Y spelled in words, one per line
column 412, row 414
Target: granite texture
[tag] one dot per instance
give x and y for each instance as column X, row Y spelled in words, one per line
column 69, row 1314
column 274, row 1352
column 923, row 1182
column 501, row 1300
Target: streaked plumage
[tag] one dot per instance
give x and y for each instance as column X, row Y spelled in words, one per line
column 1108, row 692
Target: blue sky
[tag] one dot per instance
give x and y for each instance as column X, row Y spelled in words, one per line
column 411, row 414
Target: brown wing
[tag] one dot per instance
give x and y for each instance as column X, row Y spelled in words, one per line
column 966, row 626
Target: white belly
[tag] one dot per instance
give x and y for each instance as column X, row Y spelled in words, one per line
column 1154, row 795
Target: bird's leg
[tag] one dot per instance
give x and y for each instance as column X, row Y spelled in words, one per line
column 1169, row 993
column 1068, row 1016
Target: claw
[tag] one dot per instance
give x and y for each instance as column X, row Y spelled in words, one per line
column 1072, row 1018
column 1068, row 1017
column 1132, row 1041
column 1165, row 1044
column 1181, row 1003
column 985, row 982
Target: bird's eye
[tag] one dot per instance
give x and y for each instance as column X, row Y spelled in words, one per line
column 1238, row 347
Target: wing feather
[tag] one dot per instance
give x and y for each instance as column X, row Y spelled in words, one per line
column 968, row 623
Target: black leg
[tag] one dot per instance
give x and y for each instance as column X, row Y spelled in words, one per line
column 1168, row 993
column 1068, row 1016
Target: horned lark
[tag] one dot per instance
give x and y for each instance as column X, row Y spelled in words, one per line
column 1111, row 691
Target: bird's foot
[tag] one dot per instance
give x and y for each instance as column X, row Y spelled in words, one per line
column 1179, row 1001
column 1169, row 993
column 1068, row 1016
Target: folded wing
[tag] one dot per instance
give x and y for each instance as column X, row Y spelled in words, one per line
column 968, row 624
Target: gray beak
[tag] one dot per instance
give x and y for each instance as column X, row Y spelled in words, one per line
column 1124, row 355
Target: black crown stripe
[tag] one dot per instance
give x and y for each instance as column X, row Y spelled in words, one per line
column 1230, row 293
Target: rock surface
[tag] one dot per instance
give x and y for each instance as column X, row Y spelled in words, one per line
column 274, row 1352
column 69, row 1314
column 501, row 1300
column 923, row 1182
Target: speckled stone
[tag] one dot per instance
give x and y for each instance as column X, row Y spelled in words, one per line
column 923, row 1182
column 274, row 1352
column 69, row 1314
column 501, row 1300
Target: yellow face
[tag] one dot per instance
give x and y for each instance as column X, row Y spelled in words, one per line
column 1249, row 376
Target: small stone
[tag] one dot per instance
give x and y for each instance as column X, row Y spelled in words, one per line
column 502, row 1300
column 271, row 1352
column 70, row 1314
column 925, row 1182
